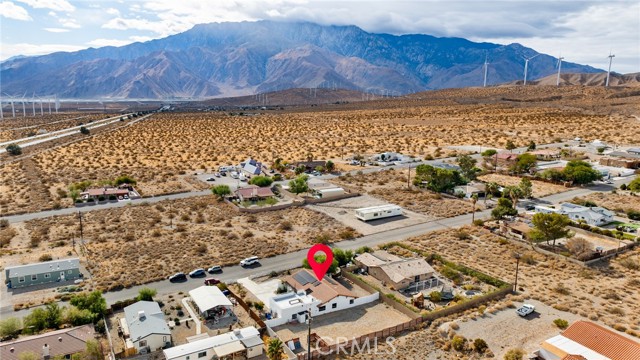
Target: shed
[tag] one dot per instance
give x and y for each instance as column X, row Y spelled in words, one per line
column 41, row 273
column 330, row 192
column 211, row 302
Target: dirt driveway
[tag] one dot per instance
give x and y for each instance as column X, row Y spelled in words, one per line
column 506, row 330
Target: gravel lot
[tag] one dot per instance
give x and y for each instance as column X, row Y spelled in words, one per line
column 506, row 330
column 343, row 211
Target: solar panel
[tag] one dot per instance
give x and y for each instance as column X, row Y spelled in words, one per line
column 304, row 278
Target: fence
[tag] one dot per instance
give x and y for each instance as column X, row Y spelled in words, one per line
column 246, row 307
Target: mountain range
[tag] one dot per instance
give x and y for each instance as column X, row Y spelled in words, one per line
column 243, row 58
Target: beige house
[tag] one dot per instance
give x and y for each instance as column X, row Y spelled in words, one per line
column 395, row 272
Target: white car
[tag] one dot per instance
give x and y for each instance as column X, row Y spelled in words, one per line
column 249, row 261
column 526, row 309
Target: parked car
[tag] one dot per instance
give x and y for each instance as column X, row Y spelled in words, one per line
column 214, row 269
column 197, row 273
column 211, row 179
column 526, row 309
column 223, row 173
column 216, row 174
column 211, row 281
column 177, row 277
column 530, row 207
column 249, row 261
column 226, row 292
column 126, row 197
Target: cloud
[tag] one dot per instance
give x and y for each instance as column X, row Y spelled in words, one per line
column 69, row 23
column 13, row 11
column 108, row 42
column 57, row 5
column 113, row 11
column 11, row 50
column 56, row 30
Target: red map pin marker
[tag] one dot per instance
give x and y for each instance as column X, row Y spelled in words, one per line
column 320, row 268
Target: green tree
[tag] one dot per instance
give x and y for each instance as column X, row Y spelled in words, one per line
column 221, row 191
column 467, row 165
column 10, row 328
column 549, row 227
column 300, row 169
column 491, row 189
column 93, row 301
column 319, row 168
column 330, row 166
column 93, row 350
column 514, row 193
column 526, row 188
column 299, row 184
column 634, row 185
column 343, row 256
column 124, row 179
column 581, row 172
column 261, row 181
column 28, row 355
column 474, row 200
column 13, row 149
column 53, row 315
column 510, row 145
column 437, row 179
column 435, row 296
column 458, row 343
column 480, row 345
column 531, row 146
column 553, row 174
column 514, row 354
column 524, row 163
column 36, row 321
column 146, row 294
column 76, row 317
column 504, row 208
column 84, row 130
column 489, row 153
column 274, row 349
column 74, row 194
column 321, row 259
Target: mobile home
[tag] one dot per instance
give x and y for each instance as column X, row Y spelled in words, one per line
column 378, row 212
column 43, row 272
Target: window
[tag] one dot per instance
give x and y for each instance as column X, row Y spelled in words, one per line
column 69, row 271
column 322, row 308
column 47, row 275
column 202, row 354
column 351, row 302
column 164, row 339
column 334, row 305
column 21, row 279
column 294, row 316
column 34, row 277
column 143, row 343
column 187, row 358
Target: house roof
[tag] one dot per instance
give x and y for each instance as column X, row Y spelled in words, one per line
column 254, row 191
column 211, row 343
column 624, row 154
column 377, row 258
column 594, row 213
column 60, row 342
column 228, row 348
column 311, row 164
column 520, row 226
column 252, row 166
column 105, row 191
column 324, row 290
column 152, row 322
column 507, row 156
column 634, row 151
column 603, row 341
column 43, row 267
column 209, row 297
column 406, row 269
column 545, row 152
column 574, row 357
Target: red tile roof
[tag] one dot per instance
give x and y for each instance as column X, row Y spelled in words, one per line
column 574, row 357
column 603, row 341
column 254, row 191
column 325, row 290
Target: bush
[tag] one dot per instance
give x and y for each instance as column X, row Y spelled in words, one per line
column 146, row 294
column 100, row 327
column 261, row 181
column 259, row 305
column 633, row 214
column 458, row 343
column 435, row 296
column 514, row 354
column 10, row 328
column 45, row 257
column 561, row 323
column 84, row 130
column 13, row 149
column 480, row 345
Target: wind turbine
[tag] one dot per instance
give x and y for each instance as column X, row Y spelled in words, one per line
column 24, row 108
column 526, row 66
column 559, row 65
column 486, row 67
column 33, row 103
column 611, row 56
column 13, row 109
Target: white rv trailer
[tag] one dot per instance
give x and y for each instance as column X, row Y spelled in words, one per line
column 378, row 212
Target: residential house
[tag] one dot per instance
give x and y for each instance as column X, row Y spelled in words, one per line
column 54, row 344
column 594, row 216
column 253, row 193
column 589, row 341
column 251, row 167
column 516, row 229
column 470, row 189
column 394, row 271
column 42, row 272
column 621, row 159
column 237, row 344
column 211, row 303
column 446, row 166
column 110, row 192
column 145, row 328
column 306, row 293
column 506, row 159
column 309, row 166
column 634, row 151
column 546, row 154
column 386, row 157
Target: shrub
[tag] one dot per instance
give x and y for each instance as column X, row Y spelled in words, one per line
column 480, row 345
column 458, row 343
column 435, row 296
column 45, row 257
column 285, row 225
column 10, row 328
column 84, row 130
column 561, row 323
column 13, row 149
column 261, row 181
column 259, row 305
column 514, row 354
column 633, row 214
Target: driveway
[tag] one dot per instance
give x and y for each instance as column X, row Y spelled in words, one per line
column 263, row 290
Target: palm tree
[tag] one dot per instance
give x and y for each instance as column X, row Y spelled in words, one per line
column 274, row 349
column 474, row 200
column 490, row 189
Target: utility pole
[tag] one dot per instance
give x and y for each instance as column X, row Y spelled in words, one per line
column 409, row 178
column 515, row 285
column 309, row 334
column 81, row 235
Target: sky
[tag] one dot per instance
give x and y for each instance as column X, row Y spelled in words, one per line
column 584, row 32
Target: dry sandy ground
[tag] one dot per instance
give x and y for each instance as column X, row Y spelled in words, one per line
column 540, row 188
column 622, row 201
column 141, row 240
column 159, row 150
column 344, row 212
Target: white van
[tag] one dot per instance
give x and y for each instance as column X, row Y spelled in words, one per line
column 234, row 174
column 242, row 177
column 249, row 261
